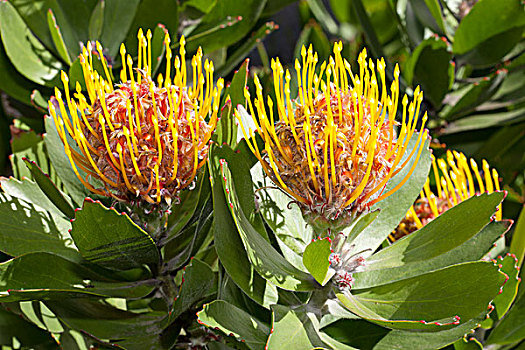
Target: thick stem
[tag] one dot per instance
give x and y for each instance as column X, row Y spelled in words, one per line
column 318, row 300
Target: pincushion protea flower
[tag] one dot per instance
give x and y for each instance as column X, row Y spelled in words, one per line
column 335, row 147
column 142, row 140
column 456, row 180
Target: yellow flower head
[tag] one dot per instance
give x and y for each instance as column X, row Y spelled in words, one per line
column 142, row 140
column 456, row 179
column 335, row 146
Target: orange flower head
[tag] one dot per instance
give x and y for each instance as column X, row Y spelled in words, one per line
column 457, row 179
column 335, row 147
column 140, row 139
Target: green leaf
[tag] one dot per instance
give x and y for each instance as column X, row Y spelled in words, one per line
column 471, row 250
column 359, row 226
column 266, row 260
column 509, row 266
column 286, row 221
column 227, row 126
column 428, row 67
column 293, row 329
column 71, row 16
column 29, row 191
column 486, row 44
column 96, row 21
column 58, row 40
column 27, row 227
column 182, row 212
column 44, row 276
column 28, row 144
column 153, row 14
column 509, row 92
column 27, row 334
column 462, row 290
column 234, row 321
column 471, row 344
column 366, row 335
column 473, row 95
column 110, row 239
column 314, row 35
column 158, row 48
column 118, row 16
column 199, row 282
column 321, row 13
column 429, row 13
column 517, row 245
column 12, row 83
column 511, row 328
column 272, row 6
column 316, row 258
column 27, row 54
column 231, row 293
column 369, row 30
column 61, row 163
column 230, row 248
column 433, row 246
column 239, row 168
column 485, row 120
column 104, row 321
column 50, row 190
column 395, row 207
column 71, row 339
column 246, row 12
column 178, row 251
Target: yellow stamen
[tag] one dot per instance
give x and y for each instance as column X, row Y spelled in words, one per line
column 123, row 168
column 105, row 65
column 486, row 173
column 414, row 216
column 123, row 75
column 474, row 167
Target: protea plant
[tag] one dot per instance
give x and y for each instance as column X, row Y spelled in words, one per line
column 143, row 142
column 334, row 173
column 453, row 186
column 334, row 148
column 129, row 153
column 145, row 220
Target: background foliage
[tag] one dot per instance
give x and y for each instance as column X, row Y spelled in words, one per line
column 468, row 58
